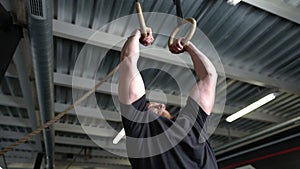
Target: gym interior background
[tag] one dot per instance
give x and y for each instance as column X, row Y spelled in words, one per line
column 258, row 43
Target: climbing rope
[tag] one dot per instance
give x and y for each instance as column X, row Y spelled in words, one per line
column 60, row 115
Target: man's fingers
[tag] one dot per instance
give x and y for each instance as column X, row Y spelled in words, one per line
column 176, row 49
column 173, row 50
column 149, row 30
column 146, row 41
column 179, row 45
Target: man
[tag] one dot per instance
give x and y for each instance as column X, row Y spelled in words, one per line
column 143, row 120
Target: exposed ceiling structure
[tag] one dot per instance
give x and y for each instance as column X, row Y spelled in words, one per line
column 258, row 42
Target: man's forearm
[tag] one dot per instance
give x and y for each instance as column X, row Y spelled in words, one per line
column 131, row 47
column 202, row 65
column 131, row 85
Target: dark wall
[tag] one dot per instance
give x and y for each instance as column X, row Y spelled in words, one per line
column 283, row 155
column 10, row 36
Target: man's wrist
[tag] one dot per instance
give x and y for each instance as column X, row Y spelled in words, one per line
column 187, row 46
column 135, row 34
column 134, row 37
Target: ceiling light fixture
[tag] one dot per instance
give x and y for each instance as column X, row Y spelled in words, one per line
column 251, row 107
column 233, row 2
column 119, row 136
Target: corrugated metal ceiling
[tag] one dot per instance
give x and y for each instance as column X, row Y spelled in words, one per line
column 245, row 37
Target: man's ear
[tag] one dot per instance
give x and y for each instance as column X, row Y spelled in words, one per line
column 147, row 103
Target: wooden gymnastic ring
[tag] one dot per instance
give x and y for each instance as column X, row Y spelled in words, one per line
column 188, row 36
column 141, row 19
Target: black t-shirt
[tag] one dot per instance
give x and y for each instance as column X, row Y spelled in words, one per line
column 155, row 142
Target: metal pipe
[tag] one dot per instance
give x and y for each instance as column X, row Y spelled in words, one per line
column 258, row 136
column 41, row 38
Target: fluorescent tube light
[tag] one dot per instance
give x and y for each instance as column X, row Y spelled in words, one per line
column 251, row 107
column 119, row 136
column 233, row 2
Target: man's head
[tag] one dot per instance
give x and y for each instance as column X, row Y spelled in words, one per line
column 159, row 109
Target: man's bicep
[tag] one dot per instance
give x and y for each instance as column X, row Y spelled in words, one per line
column 131, row 85
column 204, row 94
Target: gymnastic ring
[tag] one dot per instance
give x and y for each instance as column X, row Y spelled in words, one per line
column 188, row 36
column 141, row 19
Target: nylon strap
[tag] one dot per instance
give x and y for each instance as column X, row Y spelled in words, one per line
column 179, row 13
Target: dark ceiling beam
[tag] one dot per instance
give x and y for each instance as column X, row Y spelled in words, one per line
column 110, row 88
